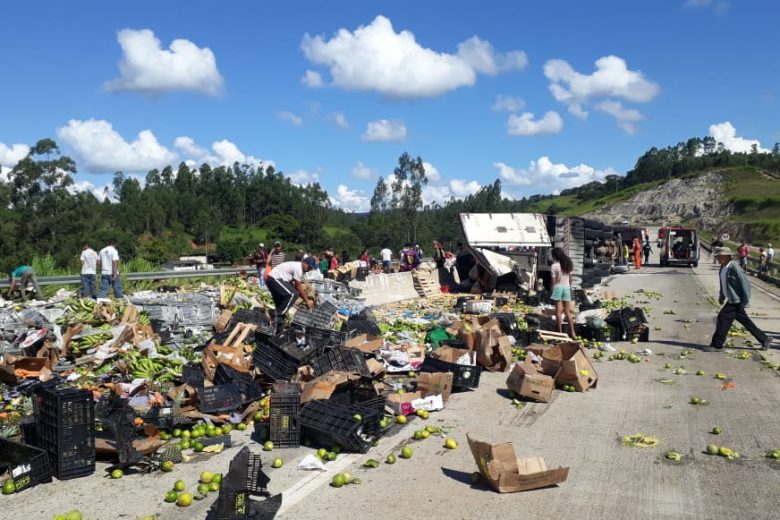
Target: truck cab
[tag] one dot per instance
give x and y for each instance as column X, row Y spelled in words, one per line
column 679, row 246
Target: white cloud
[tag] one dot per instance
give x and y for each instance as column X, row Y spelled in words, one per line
column 312, row 79
column 148, row 68
column 455, row 188
column 9, row 156
column 290, row 118
column 223, row 153
column 726, row 133
column 431, row 172
column 626, row 117
column 340, row 120
column 350, row 200
column 720, row 6
column 101, row 193
column 104, row 150
column 385, row 130
column 544, row 174
column 304, row 177
column 611, row 79
column 508, row 103
column 361, row 171
column 524, row 124
column 483, row 58
column 376, row 58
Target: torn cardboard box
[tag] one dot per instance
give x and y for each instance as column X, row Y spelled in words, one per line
column 435, row 383
column 401, row 404
column 527, row 381
column 494, row 350
column 573, row 365
column 499, row 465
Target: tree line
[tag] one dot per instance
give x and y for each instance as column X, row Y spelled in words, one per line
column 221, row 209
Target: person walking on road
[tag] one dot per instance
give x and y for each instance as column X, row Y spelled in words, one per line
column 716, row 244
column 646, row 250
column 109, row 270
column 260, row 258
column 743, row 251
column 387, row 258
column 24, row 276
column 438, row 254
column 284, row 284
column 89, row 261
column 734, row 294
column 561, row 288
column 637, row 253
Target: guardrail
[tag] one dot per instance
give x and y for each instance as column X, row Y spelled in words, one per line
column 156, row 275
column 770, row 276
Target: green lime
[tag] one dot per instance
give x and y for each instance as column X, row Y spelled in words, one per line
column 179, row 486
column 171, row 497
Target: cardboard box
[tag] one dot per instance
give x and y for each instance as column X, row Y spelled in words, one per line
column 573, row 364
column 14, row 369
column 435, row 383
column 494, row 350
column 365, row 343
column 500, row 467
column 401, row 404
column 529, row 382
column 454, row 355
column 223, row 320
column 375, row 367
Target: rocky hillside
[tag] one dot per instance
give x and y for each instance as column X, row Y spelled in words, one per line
column 700, row 201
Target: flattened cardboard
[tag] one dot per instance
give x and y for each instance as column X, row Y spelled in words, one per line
column 499, row 465
column 324, row 386
column 575, row 367
column 435, row 383
column 375, row 367
column 528, row 382
column 365, row 343
column 8, row 371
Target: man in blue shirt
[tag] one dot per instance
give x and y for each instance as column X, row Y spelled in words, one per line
column 25, row 276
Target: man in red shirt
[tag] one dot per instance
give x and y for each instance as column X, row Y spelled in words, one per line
column 743, row 251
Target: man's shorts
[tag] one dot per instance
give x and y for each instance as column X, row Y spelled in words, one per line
column 743, row 261
column 561, row 293
column 386, row 264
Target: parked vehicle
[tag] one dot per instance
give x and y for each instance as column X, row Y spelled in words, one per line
column 679, row 246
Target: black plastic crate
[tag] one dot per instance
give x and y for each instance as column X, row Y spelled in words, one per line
column 66, row 429
column 362, row 326
column 528, row 337
column 244, row 479
column 28, row 465
column 29, row 431
column 325, row 421
column 284, row 422
column 249, row 389
column 273, row 362
column 507, row 321
column 321, row 316
column 219, row 398
column 166, row 417
column 192, row 374
column 326, row 337
column 463, row 376
column 343, row 360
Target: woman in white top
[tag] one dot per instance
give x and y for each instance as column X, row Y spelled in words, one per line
column 561, row 294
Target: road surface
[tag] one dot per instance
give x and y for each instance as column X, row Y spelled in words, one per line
column 578, row 430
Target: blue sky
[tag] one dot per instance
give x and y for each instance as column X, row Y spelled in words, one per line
column 543, row 95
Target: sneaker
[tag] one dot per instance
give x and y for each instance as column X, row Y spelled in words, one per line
column 710, row 348
column 766, row 343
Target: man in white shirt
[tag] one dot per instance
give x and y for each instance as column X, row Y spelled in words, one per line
column 284, row 284
column 387, row 258
column 109, row 270
column 89, row 261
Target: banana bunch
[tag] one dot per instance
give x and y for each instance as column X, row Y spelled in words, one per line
column 78, row 310
column 144, row 319
column 145, row 368
column 81, row 344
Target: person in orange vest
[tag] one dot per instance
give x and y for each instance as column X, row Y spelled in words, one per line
column 637, row 253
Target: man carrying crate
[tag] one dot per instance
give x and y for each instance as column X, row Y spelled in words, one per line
column 284, row 284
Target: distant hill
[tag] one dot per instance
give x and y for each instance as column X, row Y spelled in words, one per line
column 741, row 200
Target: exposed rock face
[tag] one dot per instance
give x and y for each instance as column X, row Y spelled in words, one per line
column 699, row 201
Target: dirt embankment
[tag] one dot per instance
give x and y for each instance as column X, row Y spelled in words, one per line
column 700, row 201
